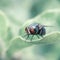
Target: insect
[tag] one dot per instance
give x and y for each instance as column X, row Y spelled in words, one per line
column 35, row 29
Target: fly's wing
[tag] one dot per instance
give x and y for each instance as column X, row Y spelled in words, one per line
column 42, row 31
column 40, row 26
column 47, row 26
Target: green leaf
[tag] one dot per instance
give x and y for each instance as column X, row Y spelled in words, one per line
column 2, row 49
column 3, row 32
column 46, row 49
column 9, row 36
column 15, row 45
column 3, row 24
column 18, row 43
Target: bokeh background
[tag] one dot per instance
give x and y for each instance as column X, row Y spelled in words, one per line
column 19, row 10
column 15, row 15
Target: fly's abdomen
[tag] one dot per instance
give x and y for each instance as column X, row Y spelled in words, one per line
column 42, row 31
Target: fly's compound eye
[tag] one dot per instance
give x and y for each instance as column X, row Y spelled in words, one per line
column 32, row 30
column 27, row 30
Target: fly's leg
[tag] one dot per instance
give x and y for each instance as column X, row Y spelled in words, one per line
column 27, row 36
column 38, row 36
column 32, row 37
column 42, row 36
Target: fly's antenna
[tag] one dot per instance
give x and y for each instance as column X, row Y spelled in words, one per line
column 47, row 26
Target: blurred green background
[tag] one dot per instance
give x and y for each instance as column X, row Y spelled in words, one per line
column 15, row 15
column 20, row 10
